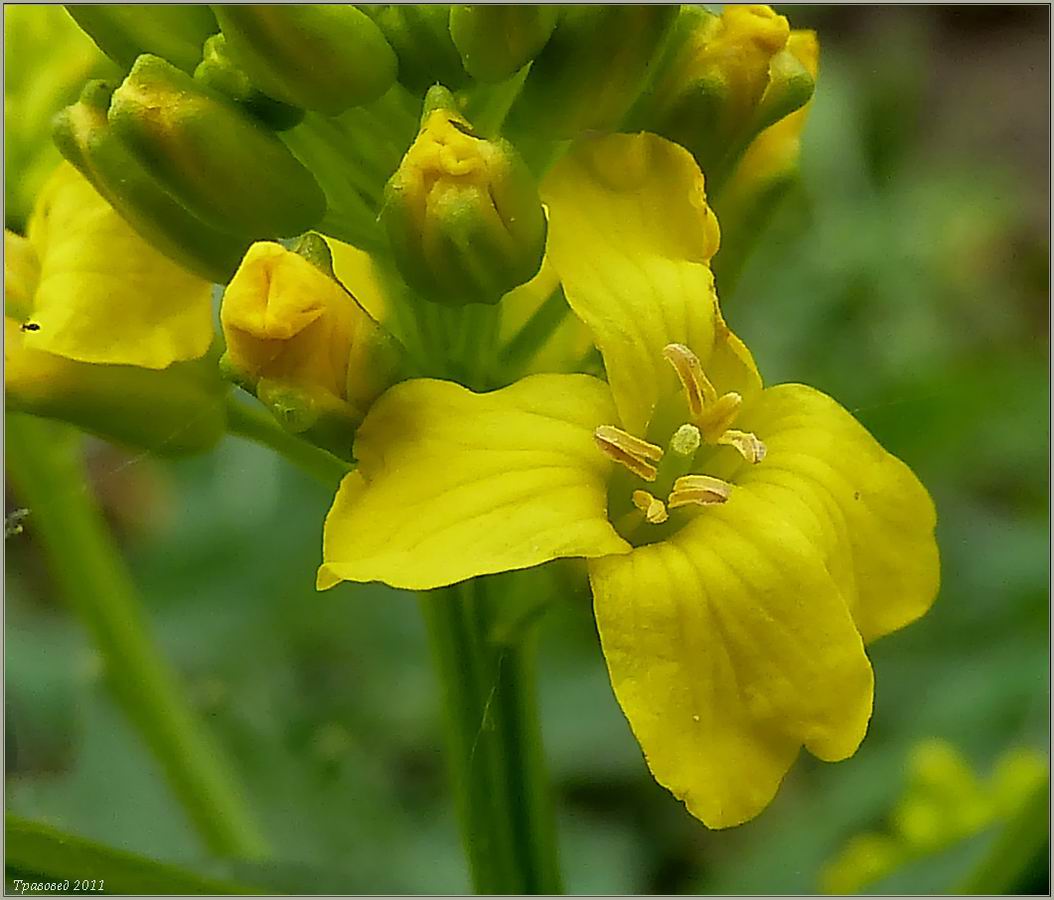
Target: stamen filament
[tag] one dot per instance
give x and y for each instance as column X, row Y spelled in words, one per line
column 702, row 490
column 629, row 451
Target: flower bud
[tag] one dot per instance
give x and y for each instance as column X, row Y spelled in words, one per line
column 496, row 41
column 325, row 58
column 591, row 70
column 303, row 345
column 216, row 160
column 219, row 73
column 125, row 31
column 721, row 82
column 462, row 213
column 83, row 135
column 420, row 35
column 171, row 411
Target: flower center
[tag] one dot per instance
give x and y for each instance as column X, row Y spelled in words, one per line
column 669, row 473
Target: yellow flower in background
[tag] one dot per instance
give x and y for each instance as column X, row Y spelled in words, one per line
column 103, row 294
column 102, row 330
column 743, row 543
column 944, row 802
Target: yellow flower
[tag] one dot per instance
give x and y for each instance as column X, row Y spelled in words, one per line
column 742, row 543
column 102, row 294
column 102, row 330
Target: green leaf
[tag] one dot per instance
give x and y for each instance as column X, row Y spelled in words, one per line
column 38, row 852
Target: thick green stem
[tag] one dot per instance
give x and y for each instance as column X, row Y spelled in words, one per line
column 254, row 424
column 45, row 464
column 495, row 751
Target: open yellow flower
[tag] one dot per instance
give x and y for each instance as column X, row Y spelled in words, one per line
column 742, row 543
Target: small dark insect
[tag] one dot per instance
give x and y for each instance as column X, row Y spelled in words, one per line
column 30, row 326
column 464, row 129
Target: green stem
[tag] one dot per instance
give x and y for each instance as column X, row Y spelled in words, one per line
column 1017, row 863
column 254, row 424
column 45, row 465
column 495, row 751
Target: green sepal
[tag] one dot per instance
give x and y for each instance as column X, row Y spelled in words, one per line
column 223, row 165
column 83, row 135
column 326, row 58
column 218, row 72
column 125, row 31
column 420, row 36
column 496, row 41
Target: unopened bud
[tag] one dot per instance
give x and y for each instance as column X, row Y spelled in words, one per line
column 721, row 82
column 462, row 213
column 221, row 164
column 325, row 58
column 496, row 41
column 125, row 31
column 83, row 135
column 218, row 72
column 420, row 35
column 591, row 70
column 299, row 341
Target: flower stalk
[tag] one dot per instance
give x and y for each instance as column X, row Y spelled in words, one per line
column 44, row 462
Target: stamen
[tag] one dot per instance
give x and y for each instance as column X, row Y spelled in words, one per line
column 628, row 451
column 697, row 386
column 748, row 444
column 720, row 415
column 702, row 490
column 654, row 509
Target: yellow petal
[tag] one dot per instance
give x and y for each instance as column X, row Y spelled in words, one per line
column 105, row 295
column 356, row 271
column 631, row 235
column 453, row 484
column 730, row 646
column 862, row 505
column 21, row 274
column 171, row 412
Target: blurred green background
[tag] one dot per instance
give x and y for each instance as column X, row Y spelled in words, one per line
column 908, row 277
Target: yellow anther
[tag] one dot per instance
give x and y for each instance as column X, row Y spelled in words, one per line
column 697, row 387
column 635, row 454
column 718, row 416
column 702, row 490
column 654, row 509
column 748, row 444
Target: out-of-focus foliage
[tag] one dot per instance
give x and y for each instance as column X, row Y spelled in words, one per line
column 907, row 276
column 47, row 59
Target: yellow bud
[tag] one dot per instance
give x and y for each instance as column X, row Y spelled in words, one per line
column 462, row 213
column 299, row 341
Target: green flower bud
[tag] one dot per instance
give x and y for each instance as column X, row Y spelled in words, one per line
column 591, row 70
column 125, row 31
column 220, row 163
column 462, row 213
column 495, row 41
column 83, row 135
column 420, row 36
column 722, row 82
column 325, row 58
column 218, row 72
